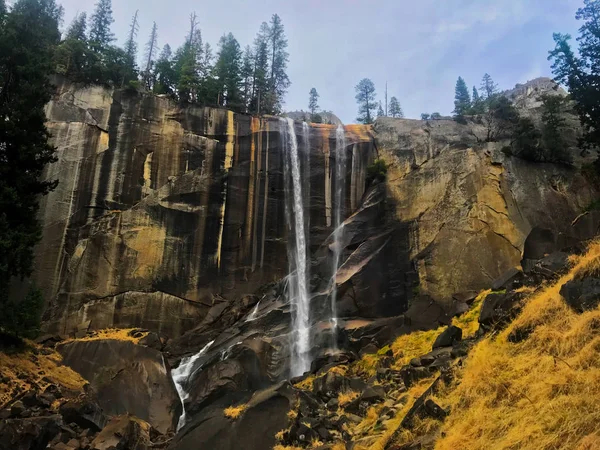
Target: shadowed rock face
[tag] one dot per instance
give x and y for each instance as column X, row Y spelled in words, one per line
column 161, row 210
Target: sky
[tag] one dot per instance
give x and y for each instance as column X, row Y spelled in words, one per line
column 419, row 48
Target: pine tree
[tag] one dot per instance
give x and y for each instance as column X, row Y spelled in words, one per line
column 228, row 72
column 488, row 87
column 462, row 99
column 278, row 81
column 151, row 49
column 186, row 63
column 380, row 111
column 553, row 121
column 29, row 35
column 425, row 116
column 365, row 96
column 164, row 73
column 102, row 19
column 247, row 77
column 261, row 70
column 581, row 72
column 78, row 28
column 131, row 49
column 313, row 103
column 395, row 108
column 73, row 57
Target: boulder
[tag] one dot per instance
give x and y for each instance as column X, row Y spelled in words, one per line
column 124, row 432
column 32, row 433
column 582, row 295
column 552, row 265
column 84, row 413
column 448, row 337
column 511, row 279
column 255, row 429
column 498, row 309
column 373, row 394
column 128, row 378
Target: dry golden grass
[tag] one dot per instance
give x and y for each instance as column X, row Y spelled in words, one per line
column 393, row 425
column 233, row 412
column 286, row 447
column 118, row 334
column 338, row 446
column 306, row 384
column 346, row 397
column 412, row 345
column 542, row 393
column 469, row 321
column 25, row 368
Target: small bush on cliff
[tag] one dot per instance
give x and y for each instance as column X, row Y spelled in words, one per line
column 376, row 172
column 21, row 318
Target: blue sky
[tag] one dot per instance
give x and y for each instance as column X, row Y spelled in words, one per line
column 419, row 47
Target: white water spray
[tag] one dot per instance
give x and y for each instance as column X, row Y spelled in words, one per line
column 254, row 313
column 180, row 376
column 338, row 220
column 298, row 287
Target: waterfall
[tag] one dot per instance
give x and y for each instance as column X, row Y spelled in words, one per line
column 253, row 314
column 180, row 376
column 297, row 251
column 338, row 219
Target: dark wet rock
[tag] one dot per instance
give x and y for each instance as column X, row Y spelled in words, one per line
column 373, row 394
column 255, row 429
column 582, row 295
column 357, row 384
column 448, row 337
column 84, row 413
column 29, row 434
column 152, row 340
column 17, row 408
column 128, row 378
column 124, row 432
column 330, row 384
column 552, row 265
column 434, row 410
column 498, row 309
column 411, row 375
column 467, row 297
column 511, row 279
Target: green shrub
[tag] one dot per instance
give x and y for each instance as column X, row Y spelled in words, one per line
column 21, row 318
column 376, row 172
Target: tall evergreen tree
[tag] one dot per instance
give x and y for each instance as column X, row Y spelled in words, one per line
column 313, row 103
column 261, row 71
column 164, row 73
column 553, row 124
column 477, row 104
column 278, row 81
column 151, row 49
column 462, row 99
column 395, row 108
column 581, row 72
column 380, row 111
column 247, row 75
column 488, row 87
column 100, row 22
column 365, row 96
column 228, row 72
column 29, row 37
column 78, row 28
column 186, row 63
column 131, row 49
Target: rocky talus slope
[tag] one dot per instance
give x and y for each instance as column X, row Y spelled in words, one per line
column 166, row 246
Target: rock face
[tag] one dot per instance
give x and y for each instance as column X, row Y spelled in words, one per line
column 470, row 206
column 161, row 211
column 127, row 378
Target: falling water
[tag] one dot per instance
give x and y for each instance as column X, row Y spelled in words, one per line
column 181, row 375
column 297, row 250
column 340, row 183
column 253, row 314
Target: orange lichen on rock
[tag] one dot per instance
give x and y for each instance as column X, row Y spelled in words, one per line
column 119, row 334
column 359, row 132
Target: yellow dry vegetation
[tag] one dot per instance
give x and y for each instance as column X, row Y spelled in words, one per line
column 25, row 368
column 541, row 393
column 117, row 334
column 469, row 322
column 233, row 412
column 392, row 427
column 306, row 384
column 346, row 397
column 286, row 447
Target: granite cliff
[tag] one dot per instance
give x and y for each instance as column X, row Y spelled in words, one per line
column 175, row 220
